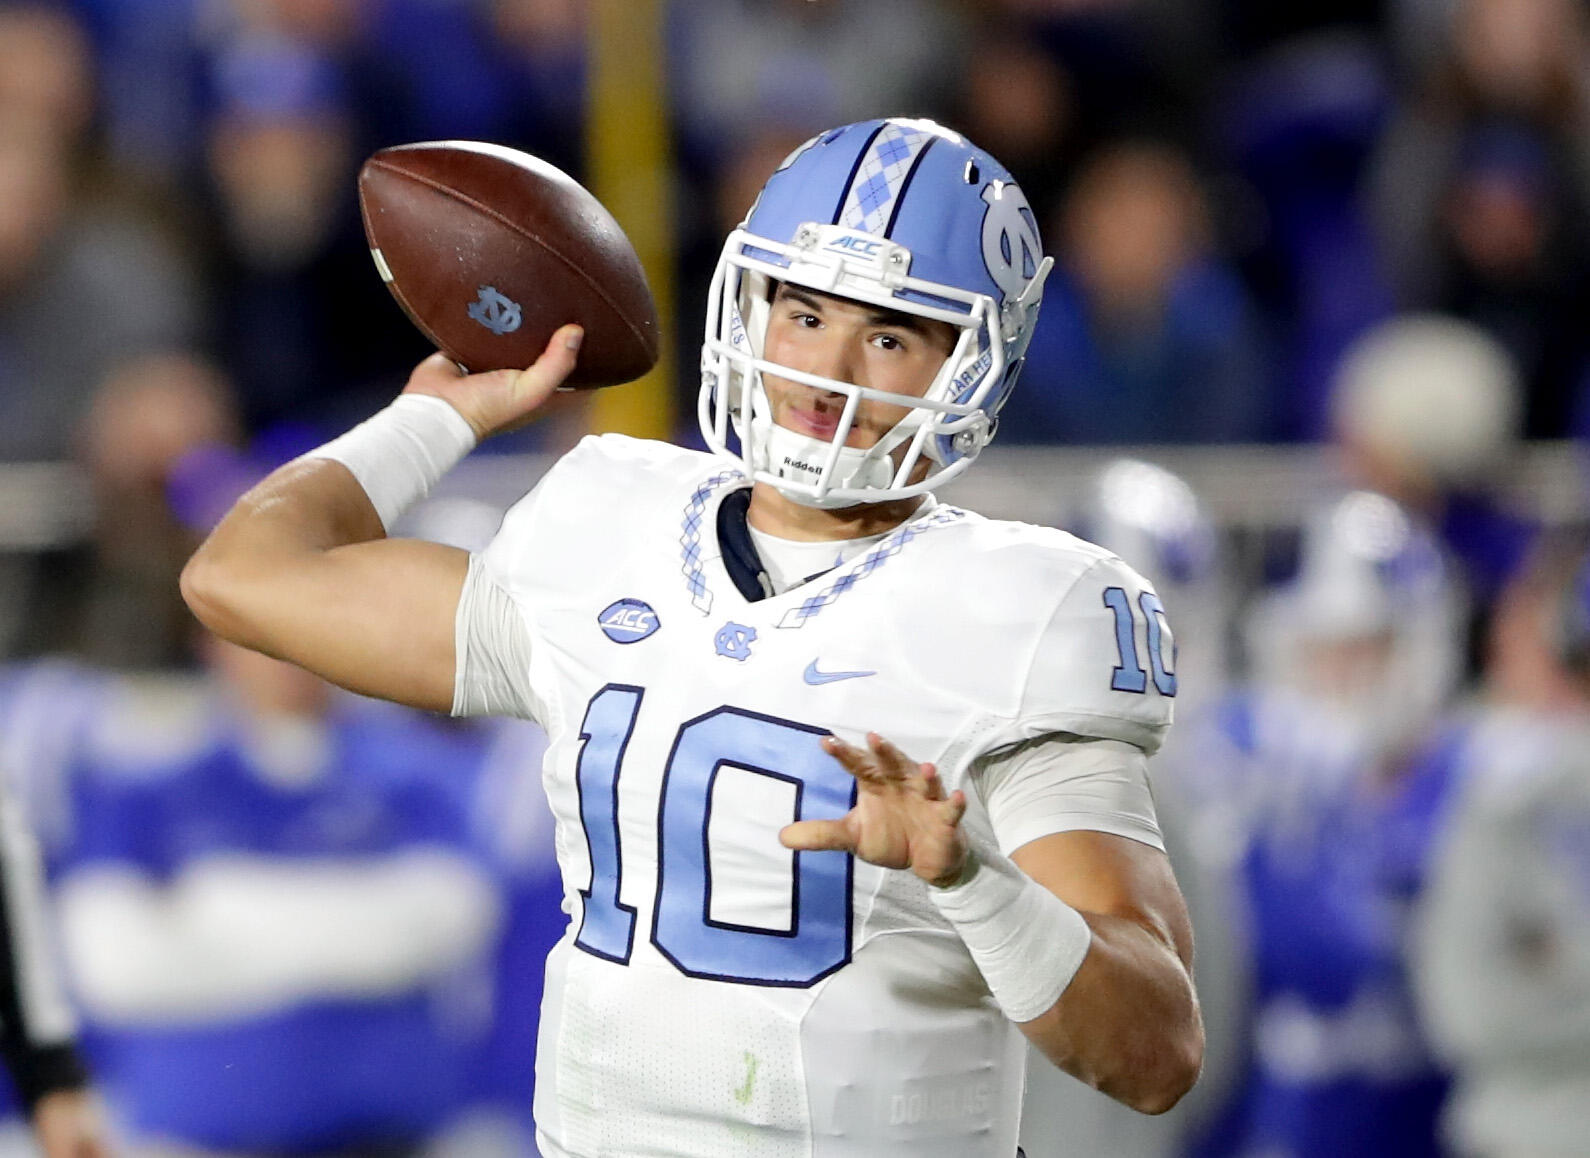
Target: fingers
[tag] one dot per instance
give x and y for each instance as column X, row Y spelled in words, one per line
column 932, row 786
column 955, row 806
column 556, row 361
column 880, row 762
column 817, row 836
column 440, row 364
column 434, row 372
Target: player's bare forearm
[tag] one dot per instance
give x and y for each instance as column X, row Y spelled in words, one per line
column 301, row 569
column 1128, row 1024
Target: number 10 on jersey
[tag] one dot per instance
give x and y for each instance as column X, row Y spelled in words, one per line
column 1129, row 675
column 816, row 940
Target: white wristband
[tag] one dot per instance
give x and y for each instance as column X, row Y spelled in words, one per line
column 1027, row 942
column 399, row 454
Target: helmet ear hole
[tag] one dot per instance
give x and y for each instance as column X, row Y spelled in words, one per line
column 996, row 401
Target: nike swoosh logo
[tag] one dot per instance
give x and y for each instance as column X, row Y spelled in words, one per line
column 813, row 676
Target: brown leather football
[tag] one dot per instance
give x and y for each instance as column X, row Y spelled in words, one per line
column 489, row 250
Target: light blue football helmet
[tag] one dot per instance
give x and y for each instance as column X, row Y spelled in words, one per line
column 898, row 213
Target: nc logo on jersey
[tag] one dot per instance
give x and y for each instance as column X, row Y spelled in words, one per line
column 734, row 641
column 628, row 621
column 499, row 314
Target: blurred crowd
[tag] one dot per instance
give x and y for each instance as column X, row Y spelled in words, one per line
column 1234, row 195
column 295, row 923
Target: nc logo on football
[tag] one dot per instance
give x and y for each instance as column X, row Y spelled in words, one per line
column 499, row 314
column 628, row 621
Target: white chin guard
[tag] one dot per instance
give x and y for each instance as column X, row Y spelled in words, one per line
column 943, row 430
column 796, row 461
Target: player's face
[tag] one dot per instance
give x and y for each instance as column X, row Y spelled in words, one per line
column 852, row 342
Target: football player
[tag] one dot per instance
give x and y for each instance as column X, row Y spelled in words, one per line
column 850, row 784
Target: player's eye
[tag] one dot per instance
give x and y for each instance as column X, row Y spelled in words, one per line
column 889, row 341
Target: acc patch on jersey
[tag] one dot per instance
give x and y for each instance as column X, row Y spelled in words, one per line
column 628, row 620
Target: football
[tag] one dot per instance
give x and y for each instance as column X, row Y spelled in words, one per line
column 489, row 250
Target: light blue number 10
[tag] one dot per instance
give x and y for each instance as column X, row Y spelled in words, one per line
column 817, row 940
column 1129, row 675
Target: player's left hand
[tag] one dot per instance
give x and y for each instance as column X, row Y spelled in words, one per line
column 902, row 819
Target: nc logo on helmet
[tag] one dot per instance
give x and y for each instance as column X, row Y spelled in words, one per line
column 628, row 621
column 1011, row 249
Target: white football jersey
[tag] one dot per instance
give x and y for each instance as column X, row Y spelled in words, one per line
column 717, row 994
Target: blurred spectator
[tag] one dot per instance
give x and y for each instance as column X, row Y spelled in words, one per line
column 46, row 74
column 742, row 66
column 1427, row 410
column 1146, row 336
column 270, row 903
column 37, row 1025
column 1504, row 939
column 148, row 54
column 1018, row 104
column 1297, row 126
column 541, row 50
column 275, row 899
column 1403, row 374
column 307, row 330
column 1320, row 781
column 1252, row 26
column 124, row 609
column 519, row 830
column 1482, row 191
column 112, row 599
column 1135, row 67
column 84, row 282
column 1513, row 260
column 88, row 283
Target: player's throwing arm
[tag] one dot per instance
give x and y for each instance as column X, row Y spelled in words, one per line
column 500, row 259
column 301, row 567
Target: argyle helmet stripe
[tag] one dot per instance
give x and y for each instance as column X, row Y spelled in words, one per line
column 881, row 177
